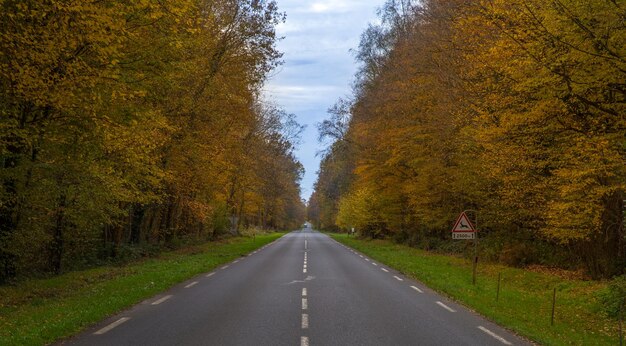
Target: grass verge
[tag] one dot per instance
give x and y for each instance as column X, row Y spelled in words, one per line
column 525, row 300
column 39, row 312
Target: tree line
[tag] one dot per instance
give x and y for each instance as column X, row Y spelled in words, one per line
column 127, row 126
column 515, row 109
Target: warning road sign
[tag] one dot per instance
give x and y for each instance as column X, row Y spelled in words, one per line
column 463, row 228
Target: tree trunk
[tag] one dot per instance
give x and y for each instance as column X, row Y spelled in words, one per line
column 56, row 247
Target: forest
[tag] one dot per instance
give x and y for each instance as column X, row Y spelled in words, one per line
column 127, row 127
column 513, row 109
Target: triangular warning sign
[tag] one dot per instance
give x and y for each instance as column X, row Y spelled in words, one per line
column 463, row 224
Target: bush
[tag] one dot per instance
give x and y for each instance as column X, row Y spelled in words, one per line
column 614, row 297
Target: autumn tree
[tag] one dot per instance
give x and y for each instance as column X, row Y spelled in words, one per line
column 511, row 108
column 121, row 123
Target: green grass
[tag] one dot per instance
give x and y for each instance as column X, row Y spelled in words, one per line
column 39, row 312
column 525, row 299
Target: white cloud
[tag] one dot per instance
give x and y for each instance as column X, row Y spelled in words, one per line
column 318, row 66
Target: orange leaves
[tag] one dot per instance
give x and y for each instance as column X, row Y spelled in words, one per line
column 514, row 108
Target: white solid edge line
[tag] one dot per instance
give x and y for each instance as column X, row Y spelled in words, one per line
column 417, row 289
column 305, row 321
column 494, row 335
column 192, row 284
column 397, row 278
column 157, row 302
column 445, row 306
column 304, row 292
column 210, row 274
column 112, row 325
column 304, row 341
column 385, row 270
column 305, row 304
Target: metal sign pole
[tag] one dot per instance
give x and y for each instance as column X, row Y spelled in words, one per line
column 475, row 248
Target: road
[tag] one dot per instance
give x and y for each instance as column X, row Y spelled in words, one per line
column 303, row 289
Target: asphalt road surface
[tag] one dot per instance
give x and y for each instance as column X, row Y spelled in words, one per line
column 302, row 289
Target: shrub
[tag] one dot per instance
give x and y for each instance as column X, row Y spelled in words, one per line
column 614, row 297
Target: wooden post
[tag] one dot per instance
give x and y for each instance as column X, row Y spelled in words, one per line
column 498, row 291
column 474, row 270
column 553, row 305
column 621, row 321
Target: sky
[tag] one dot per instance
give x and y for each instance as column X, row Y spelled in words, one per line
column 318, row 66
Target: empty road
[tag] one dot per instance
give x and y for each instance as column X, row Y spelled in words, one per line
column 302, row 289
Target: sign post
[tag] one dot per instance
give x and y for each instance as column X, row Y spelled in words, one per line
column 464, row 229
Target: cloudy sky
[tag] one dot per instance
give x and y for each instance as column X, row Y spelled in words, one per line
column 318, row 66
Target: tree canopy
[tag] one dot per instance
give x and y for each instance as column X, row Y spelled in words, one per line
column 127, row 124
column 516, row 109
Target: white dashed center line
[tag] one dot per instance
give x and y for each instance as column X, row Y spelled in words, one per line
column 305, row 304
column 112, row 325
column 157, row 302
column 304, row 341
column 494, row 335
column 305, row 321
column 445, row 306
column 304, row 292
column 398, row 278
column 417, row 289
column 192, row 284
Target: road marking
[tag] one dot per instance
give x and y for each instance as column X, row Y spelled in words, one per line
column 192, row 284
column 235, row 261
column 374, row 264
column 304, row 292
column 157, row 302
column 112, row 325
column 445, row 306
column 398, row 278
column 304, row 267
column 305, row 321
column 385, row 270
column 494, row 335
column 210, row 274
column 304, row 271
column 367, row 259
column 305, row 304
column 305, row 244
column 304, row 341
column 224, row 267
column 417, row 289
